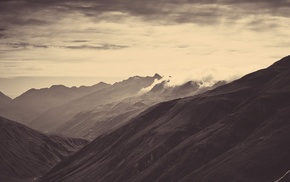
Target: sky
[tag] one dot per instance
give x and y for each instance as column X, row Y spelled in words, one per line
column 82, row 42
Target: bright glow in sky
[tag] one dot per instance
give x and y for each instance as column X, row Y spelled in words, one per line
column 112, row 40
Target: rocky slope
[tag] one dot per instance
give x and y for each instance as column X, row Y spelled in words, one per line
column 236, row 132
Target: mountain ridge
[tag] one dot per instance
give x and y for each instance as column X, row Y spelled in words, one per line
column 34, row 102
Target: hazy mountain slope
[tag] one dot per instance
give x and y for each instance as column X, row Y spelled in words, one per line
column 104, row 118
column 237, row 132
column 34, row 102
column 55, row 117
column 108, row 117
column 4, row 100
column 26, row 153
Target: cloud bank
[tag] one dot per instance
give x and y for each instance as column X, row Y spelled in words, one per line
column 181, row 38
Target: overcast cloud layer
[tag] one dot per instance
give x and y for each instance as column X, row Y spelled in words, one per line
column 120, row 38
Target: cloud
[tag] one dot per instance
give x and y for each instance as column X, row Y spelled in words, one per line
column 156, row 81
column 22, row 21
column 2, row 36
column 56, row 20
column 100, row 47
column 2, row 33
column 25, row 45
column 188, row 11
column 162, row 11
column 283, row 44
column 79, row 41
column 262, row 25
column 206, row 76
column 210, row 74
column 166, row 34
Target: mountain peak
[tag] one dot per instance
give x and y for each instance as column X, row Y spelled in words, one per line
column 4, row 99
column 58, row 87
column 157, row 76
column 101, row 84
column 3, row 95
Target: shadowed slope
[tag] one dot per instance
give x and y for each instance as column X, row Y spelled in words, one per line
column 26, row 153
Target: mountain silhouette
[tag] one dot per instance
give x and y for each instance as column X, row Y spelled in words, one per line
column 29, row 105
column 236, row 132
column 26, row 153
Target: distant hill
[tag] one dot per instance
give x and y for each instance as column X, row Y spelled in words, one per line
column 34, row 102
column 236, row 132
column 27, row 154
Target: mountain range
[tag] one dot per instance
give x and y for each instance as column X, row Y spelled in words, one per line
column 144, row 129
column 29, row 105
column 57, row 116
column 96, row 121
column 88, row 112
column 236, row 132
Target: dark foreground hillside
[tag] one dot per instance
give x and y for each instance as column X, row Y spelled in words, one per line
column 27, row 154
column 237, row 132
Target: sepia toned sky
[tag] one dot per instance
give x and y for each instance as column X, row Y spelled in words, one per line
column 78, row 42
